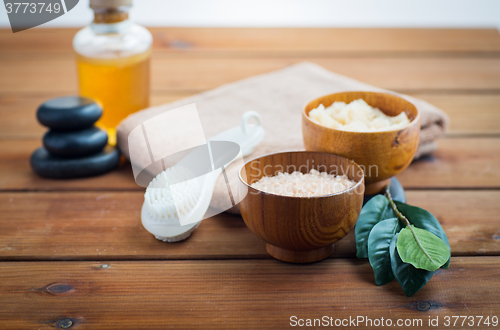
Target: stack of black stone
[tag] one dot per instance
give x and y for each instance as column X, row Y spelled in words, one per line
column 73, row 147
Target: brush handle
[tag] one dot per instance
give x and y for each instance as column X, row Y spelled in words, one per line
column 247, row 135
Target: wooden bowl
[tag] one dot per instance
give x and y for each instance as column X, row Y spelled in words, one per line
column 300, row 229
column 381, row 154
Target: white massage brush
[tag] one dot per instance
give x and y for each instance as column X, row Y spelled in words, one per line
column 171, row 212
column 163, row 205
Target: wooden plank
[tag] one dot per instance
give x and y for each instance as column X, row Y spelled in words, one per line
column 301, row 40
column 331, row 40
column 105, row 225
column 90, row 226
column 17, row 173
column 18, row 114
column 252, row 294
column 469, row 113
column 458, row 163
column 470, row 218
column 57, row 73
column 18, row 111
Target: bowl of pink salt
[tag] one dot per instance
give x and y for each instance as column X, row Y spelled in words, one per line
column 300, row 203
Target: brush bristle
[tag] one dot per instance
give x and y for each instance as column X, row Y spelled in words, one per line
column 162, row 197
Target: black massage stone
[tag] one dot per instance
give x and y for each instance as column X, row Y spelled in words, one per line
column 69, row 113
column 50, row 166
column 75, row 144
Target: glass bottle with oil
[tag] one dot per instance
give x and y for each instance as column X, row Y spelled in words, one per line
column 113, row 56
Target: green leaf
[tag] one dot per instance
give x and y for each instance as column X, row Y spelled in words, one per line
column 422, row 248
column 410, row 278
column 373, row 212
column 422, row 219
column 378, row 249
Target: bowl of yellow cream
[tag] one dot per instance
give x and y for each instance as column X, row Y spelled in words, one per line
column 378, row 131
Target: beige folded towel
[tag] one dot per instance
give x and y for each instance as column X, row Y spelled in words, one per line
column 279, row 97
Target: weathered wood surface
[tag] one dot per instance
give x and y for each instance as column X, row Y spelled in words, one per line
column 458, row 163
column 18, row 110
column 57, row 72
column 298, row 40
column 106, row 226
column 246, row 294
column 75, row 254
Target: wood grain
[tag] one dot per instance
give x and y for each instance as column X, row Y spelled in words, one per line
column 252, row 294
column 272, row 40
column 470, row 218
column 458, row 163
column 57, row 72
column 17, row 111
column 88, row 226
column 106, row 226
column 16, row 173
column 96, row 220
column 483, row 108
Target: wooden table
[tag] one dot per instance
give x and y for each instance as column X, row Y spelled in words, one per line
column 75, row 255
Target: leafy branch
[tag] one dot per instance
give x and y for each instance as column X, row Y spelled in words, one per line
column 406, row 222
column 397, row 247
column 394, row 207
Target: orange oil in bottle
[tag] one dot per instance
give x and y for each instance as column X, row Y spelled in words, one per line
column 120, row 85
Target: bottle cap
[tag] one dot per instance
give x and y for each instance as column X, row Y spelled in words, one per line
column 98, row 4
